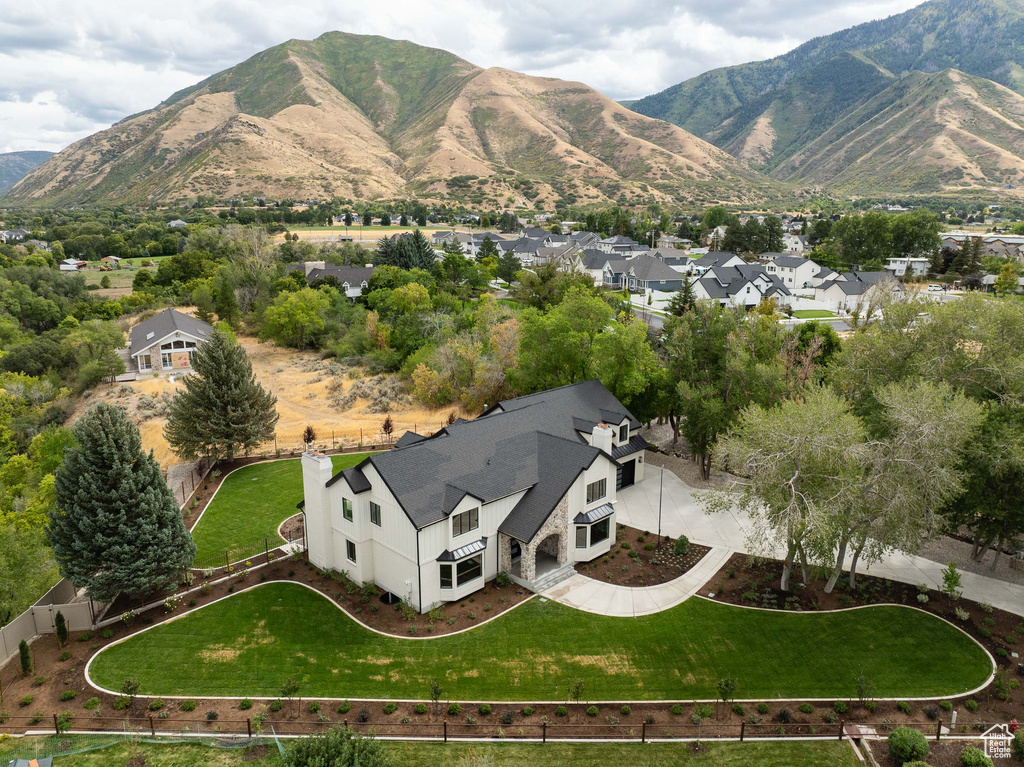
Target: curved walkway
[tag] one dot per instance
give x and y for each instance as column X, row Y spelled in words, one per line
column 725, row 533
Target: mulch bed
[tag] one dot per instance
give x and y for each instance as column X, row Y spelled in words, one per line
column 754, row 582
column 942, row 754
column 636, row 559
column 293, row 528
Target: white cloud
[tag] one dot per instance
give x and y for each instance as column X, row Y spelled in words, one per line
column 72, row 67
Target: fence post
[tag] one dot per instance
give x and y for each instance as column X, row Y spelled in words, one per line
column 152, row 727
column 743, row 729
column 842, row 726
column 248, row 727
column 938, row 731
column 56, row 726
column 643, row 732
column 543, row 732
column 266, row 548
column 445, row 730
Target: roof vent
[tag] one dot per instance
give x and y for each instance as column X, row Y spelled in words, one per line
column 149, row 335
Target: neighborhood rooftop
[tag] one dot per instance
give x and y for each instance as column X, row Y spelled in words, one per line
column 145, row 334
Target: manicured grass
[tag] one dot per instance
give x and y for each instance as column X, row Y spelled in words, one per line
column 250, row 643
column 813, row 314
column 252, row 502
column 508, row 754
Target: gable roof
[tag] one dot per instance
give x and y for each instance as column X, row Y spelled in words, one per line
column 790, row 262
column 648, row 268
column 353, row 275
column 530, row 444
column 594, row 259
column 715, row 258
column 147, row 333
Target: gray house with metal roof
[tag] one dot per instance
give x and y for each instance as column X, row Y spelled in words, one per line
column 528, row 488
column 167, row 342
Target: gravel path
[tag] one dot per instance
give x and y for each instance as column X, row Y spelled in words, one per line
column 944, row 549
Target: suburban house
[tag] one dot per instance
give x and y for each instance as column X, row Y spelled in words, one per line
column 669, row 241
column 614, row 272
column 645, row 273
column 672, row 257
column 617, row 244
column 824, row 275
column 794, row 271
column 918, row 266
column 1001, row 245
column 176, row 224
column 796, row 243
column 593, row 262
column 529, row 488
column 584, row 240
column 14, row 235
column 719, row 258
column 746, row 285
column 847, row 291
column 166, row 342
column 353, row 280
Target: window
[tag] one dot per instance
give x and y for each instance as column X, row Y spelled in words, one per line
column 375, row 513
column 581, row 537
column 446, row 576
column 597, row 490
column 598, row 531
column 350, row 550
column 346, row 509
column 468, row 570
column 167, row 350
column 146, row 362
column 624, row 432
column 466, row 521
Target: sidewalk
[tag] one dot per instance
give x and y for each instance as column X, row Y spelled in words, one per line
column 725, row 533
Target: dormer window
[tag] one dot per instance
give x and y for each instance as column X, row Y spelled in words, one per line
column 624, row 432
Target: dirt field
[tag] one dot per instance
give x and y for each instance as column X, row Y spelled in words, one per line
column 303, row 384
column 367, row 237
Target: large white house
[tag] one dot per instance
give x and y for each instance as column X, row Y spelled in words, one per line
column 796, row 272
column 528, row 488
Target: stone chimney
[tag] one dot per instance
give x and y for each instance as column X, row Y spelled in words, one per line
column 602, row 437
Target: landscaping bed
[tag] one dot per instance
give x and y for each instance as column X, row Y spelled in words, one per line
column 945, row 753
column 636, row 559
column 754, row 582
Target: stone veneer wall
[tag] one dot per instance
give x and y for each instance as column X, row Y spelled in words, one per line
column 556, row 524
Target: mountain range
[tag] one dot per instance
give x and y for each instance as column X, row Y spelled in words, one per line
column 367, row 117
column 925, row 101
column 14, row 166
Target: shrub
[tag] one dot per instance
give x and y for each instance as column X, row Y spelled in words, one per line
column 344, row 708
column 275, row 706
column 85, row 636
column 156, row 704
column 508, row 717
column 971, row 705
column 27, row 701
column 190, row 705
column 211, row 716
column 561, row 711
column 677, row 709
column 625, row 710
column 390, row 708
column 39, row 681
column 903, row 707
column 454, row 709
column 592, row 711
column 974, row 757
column 907, row 744
column 314, row 707
column 870, row 706
column 785, row 715
column 1017, row 745
column 68, row 695
column 65, row 656
column 484, row 709
column 121, row 702
column 364, row 715
column 945, row 705
column 90, row 704
column 528, row 711
column 245, row 704
column 703, row 710
column 737, row 708
column 762, row 708
column 932, row 712
column 650, row 719
column 682, row 546
column 420, row 708
column 830, row 717
column 841, row 706
column 806, row 708
column 107, row 634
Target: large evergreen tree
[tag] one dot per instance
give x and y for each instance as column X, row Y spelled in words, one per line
column 223, row 410
column 115, row 526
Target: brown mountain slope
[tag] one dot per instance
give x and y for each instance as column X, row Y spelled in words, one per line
column 946, row 131
column 366, row 117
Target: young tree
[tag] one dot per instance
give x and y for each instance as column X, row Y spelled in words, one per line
column 225, row 303
column 202, row 297
column 60, row 628
column 487, row 250
column 1006, row 282
column 115, row 526
column 508, row 266
column 290, row 688
column 367, row 219
column 683, row 299
column 223, row 410
column 25, row 657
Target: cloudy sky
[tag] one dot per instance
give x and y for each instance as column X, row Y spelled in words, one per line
column 71, row 67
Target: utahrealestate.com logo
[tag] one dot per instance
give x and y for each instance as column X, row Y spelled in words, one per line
column 997, row 741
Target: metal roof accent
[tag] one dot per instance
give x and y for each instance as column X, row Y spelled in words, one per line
column 594, row 515
column 463, row 551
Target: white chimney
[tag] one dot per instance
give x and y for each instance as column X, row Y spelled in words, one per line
column 602, row 437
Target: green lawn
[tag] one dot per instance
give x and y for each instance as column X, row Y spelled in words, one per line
column 252, row 502
column 508, row 754
column 250, row 643
column 813, row 314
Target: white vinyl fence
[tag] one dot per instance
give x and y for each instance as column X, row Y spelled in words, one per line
column 39, row 618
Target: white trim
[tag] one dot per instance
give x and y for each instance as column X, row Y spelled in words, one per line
column 161, row 340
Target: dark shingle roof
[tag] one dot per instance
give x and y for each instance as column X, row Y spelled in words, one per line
column 790, row 262
column 353, row 275
column 147, row 333
column 531, row 443
column 714, row 259
column 648, row 268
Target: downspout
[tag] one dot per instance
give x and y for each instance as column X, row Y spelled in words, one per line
column 419, row 570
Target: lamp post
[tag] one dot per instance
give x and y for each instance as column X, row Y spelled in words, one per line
column 661, row 493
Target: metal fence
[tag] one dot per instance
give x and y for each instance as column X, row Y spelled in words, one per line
column 249, row 555
column 575, row 727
